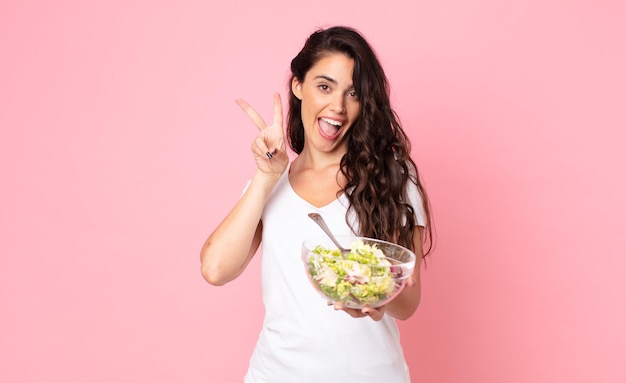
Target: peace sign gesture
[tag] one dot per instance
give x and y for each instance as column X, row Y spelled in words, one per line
column 268, row 148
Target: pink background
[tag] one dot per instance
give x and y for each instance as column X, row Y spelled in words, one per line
column 122, row 148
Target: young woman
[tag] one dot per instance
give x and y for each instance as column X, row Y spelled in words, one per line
column 354, row 168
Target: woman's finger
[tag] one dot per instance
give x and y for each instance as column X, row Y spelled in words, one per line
column 352, row 312
column 259, row 147
column 374, row 313
column 252, row 114
column 278, row 110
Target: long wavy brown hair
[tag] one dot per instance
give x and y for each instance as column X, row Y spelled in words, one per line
column 377, row 164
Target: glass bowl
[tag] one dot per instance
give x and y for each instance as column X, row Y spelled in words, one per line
column 371, row 275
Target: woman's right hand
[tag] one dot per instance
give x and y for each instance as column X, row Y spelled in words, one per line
column 231, row 246
column 268, row 148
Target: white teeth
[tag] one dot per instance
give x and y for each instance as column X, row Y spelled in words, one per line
column 332, row 122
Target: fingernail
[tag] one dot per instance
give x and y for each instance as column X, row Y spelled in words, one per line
column 269, row 155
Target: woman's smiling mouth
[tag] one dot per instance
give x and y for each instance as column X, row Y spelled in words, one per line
column 329, row 128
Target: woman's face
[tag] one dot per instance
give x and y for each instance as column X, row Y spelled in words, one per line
column 330, row 104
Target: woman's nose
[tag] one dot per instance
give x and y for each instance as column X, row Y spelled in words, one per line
column 339, row 103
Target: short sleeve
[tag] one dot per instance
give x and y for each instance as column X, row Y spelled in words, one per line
column 416, row 202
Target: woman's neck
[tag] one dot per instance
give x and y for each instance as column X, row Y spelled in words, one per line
column 315, row 160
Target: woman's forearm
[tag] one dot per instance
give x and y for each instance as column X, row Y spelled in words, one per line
column 228, row 250
column 405, row 304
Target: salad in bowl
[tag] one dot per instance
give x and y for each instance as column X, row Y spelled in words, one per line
column 371, row 274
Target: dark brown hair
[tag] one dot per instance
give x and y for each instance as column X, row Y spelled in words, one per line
column 377, row 164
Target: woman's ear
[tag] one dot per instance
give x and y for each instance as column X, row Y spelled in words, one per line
column 296, row 88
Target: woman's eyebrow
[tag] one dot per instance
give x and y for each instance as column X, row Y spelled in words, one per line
column 329, row 79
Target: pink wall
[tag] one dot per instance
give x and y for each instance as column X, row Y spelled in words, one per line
column 122, row 148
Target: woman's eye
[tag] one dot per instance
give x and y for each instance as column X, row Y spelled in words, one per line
column 353, row 94
column 324, row 87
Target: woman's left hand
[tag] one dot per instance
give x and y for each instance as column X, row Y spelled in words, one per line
column 374, row 313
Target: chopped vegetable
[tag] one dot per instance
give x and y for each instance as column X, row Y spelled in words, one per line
column 358, row 278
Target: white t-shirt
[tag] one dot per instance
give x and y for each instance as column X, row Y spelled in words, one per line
column 303, row 339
